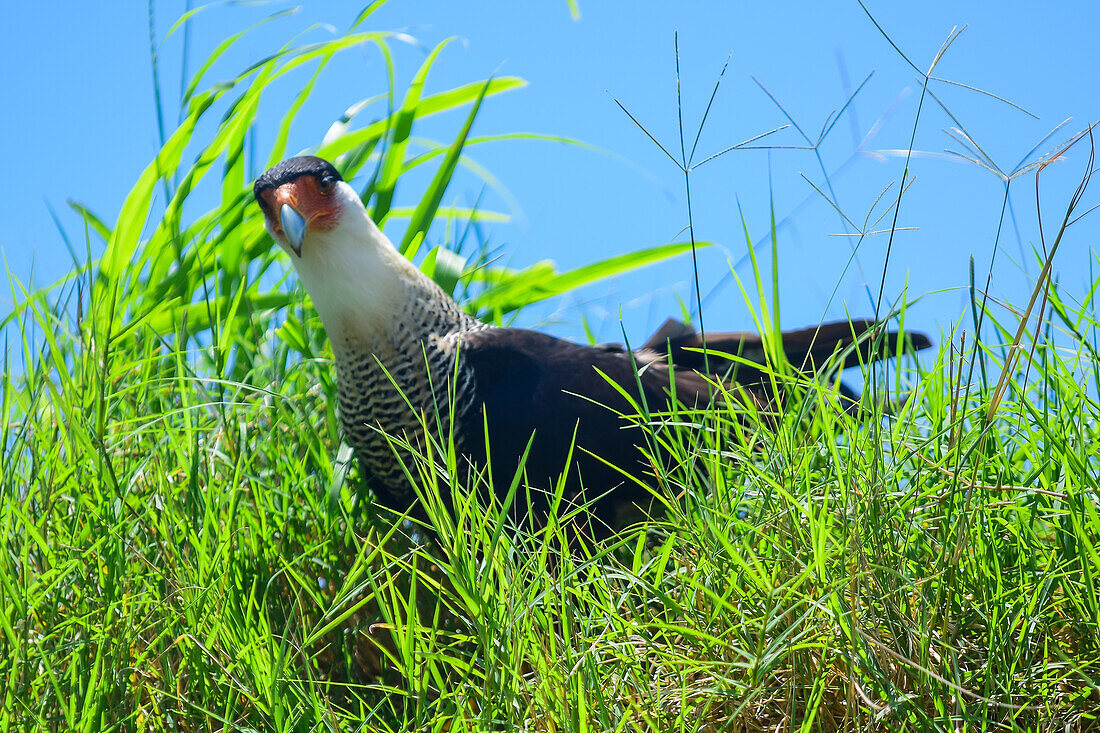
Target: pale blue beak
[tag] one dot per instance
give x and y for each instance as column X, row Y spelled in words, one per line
column 294, row 227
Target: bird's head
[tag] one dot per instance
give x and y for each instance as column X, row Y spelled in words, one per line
column 345, row 262
column 299, row 196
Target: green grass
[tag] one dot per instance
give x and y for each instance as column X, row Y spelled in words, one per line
column 185, row 547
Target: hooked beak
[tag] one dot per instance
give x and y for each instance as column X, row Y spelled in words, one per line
column 294, row 227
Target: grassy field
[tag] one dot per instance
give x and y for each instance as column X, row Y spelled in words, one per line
column 186, row 547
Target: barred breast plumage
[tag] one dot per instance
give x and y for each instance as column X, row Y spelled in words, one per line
column 390, row 390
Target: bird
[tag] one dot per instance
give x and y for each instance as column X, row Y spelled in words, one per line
column 410, row 364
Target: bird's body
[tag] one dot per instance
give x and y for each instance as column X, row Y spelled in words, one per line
column 409, row 359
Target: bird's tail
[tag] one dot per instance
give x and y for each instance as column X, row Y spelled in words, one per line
column 807, row 349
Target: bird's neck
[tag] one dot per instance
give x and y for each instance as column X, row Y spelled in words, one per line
column 370, row 298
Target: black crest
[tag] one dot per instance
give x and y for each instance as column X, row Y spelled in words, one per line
column 293, row 168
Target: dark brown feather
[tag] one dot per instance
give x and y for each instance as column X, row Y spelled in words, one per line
column 539, row 389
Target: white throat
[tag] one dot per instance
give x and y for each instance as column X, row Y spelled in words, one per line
column 356, row 278
column 364, row 289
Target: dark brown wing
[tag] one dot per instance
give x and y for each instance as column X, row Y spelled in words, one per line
column 530, row 384
column 535, row 393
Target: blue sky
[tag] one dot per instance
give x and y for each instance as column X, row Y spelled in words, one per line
column 79, row 123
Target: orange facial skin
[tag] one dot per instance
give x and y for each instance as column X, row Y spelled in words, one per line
column 307, row 196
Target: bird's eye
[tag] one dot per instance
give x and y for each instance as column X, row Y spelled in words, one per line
column 326, row 184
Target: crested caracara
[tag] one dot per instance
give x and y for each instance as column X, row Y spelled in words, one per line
column 392, row 327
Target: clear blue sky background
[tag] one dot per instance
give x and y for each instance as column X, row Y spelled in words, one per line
column 79, row 122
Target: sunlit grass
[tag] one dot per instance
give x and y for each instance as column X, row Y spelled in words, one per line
column 185, row 547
